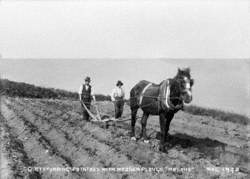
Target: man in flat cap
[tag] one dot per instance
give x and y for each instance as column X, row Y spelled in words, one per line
column 117, row 97
column 85, row 96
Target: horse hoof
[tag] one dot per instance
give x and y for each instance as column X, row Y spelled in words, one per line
column 133, row 138
column 146, row 141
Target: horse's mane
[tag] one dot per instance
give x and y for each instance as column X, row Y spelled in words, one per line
column 183, row 72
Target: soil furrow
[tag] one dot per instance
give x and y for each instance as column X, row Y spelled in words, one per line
column 96, row 151
column 45, row 146
column 93, row 145
column 59, row 121
column 131, row 150
column 19, row 160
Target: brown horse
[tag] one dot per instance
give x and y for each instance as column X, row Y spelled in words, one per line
column 163, row 99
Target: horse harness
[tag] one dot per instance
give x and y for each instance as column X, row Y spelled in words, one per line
column 163, row 97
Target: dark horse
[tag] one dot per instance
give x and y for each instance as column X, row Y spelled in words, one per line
column 163, row 99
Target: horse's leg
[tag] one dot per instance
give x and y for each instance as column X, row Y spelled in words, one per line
column 143, row 127
column 163, row 122
column 169, row 117
column 133, row 121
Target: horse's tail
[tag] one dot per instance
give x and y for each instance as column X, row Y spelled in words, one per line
column 135, row 93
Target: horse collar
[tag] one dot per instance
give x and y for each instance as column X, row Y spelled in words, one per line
column 168, row 102
column 168, row 95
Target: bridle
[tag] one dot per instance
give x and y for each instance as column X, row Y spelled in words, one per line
column 168, row 102
column 188, row 82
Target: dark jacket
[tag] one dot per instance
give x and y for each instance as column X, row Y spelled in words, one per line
column 86, row 94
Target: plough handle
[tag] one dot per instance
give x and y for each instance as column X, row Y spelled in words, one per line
column 90, row 113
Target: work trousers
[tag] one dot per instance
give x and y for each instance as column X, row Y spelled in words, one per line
column 85, row 115
column 119, row 103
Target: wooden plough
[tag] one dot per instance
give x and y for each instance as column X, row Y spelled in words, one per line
column 97, row 118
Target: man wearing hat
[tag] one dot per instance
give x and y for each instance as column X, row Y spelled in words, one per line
column 117, row 97
column 85, row 95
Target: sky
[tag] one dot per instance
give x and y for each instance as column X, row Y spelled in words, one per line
column 125, row 29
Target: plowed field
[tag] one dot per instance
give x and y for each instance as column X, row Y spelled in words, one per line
column 39, row 135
